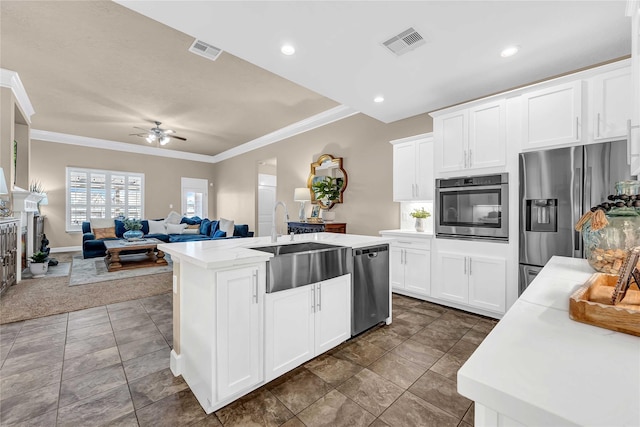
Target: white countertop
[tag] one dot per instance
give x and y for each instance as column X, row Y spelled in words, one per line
column 539, row 367
column 408, row 233
column 213, row 254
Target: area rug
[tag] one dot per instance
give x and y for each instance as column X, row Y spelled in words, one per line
column 46, row 296
column 93, row 270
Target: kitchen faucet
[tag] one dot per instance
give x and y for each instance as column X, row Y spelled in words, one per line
column 274, row 233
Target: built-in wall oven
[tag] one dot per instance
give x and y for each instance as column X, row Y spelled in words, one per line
column 473, row 207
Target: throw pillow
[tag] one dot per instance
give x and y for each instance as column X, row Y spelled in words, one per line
column 190, row 231
column 175, row 228
column 157, row 227
column 119, row 228
column 193, row 226
column 101, row 223
column 173, row 218
column 105, row 233
column 215, row 226
column 219, row 233
column 205, row 227
column 226, row 225
column 241, row 230
column 191, row 221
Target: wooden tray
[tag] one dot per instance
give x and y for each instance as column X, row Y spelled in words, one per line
column 592, row 304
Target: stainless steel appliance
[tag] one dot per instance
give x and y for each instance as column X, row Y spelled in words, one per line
column 473, row 207
column 556, row 188
column 370, row 291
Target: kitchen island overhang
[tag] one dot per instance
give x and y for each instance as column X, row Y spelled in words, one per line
column 539, row 367
column 219, row 296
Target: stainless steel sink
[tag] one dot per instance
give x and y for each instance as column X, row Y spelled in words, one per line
column 300, row 264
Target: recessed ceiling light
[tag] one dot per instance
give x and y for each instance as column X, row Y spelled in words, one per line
column 509, row 51
column 288, row 49
column 378, row 99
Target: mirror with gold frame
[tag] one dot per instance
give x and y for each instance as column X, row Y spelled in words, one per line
column 327, row 181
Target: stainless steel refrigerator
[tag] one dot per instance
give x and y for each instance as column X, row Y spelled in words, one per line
column 556, row 188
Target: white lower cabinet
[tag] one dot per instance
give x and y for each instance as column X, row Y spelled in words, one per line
column 410, row 264
column 222, row 332
column 304, row 322
column 470, row 279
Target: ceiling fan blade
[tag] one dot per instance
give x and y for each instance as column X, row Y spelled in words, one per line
column 138, row 134
column 168, row 131
column 146, row 130
column 177, row 137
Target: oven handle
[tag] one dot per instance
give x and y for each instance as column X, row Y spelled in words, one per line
column 472, row 187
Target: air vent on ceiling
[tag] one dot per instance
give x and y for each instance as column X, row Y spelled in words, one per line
column 204, row 49
column 404, row 42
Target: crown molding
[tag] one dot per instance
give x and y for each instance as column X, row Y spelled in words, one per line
column 11, row 79
column 313, row 122
column 329, row 116
column 63, row 138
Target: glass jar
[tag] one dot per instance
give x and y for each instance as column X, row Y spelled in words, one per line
column 607, row 249
column 628, row 188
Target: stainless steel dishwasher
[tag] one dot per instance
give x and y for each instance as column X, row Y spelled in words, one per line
column 370, row 292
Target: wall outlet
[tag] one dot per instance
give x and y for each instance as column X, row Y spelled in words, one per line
column 170, row 206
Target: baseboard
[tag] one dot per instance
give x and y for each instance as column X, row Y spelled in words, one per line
column 175, row 363
column 66, row 249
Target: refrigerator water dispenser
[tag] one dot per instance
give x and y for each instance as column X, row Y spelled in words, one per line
column 542, row 215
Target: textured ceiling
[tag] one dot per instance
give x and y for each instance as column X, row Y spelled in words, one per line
column 97, row 69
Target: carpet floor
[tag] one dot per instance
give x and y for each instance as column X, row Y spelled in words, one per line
column 34, row 298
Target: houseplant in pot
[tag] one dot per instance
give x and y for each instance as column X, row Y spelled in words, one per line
column 134, row 229
column 39, row 264
column 420, row 215
column 327, row 191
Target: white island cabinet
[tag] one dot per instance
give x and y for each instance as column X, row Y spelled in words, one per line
column 231, row 337
column 540, row 368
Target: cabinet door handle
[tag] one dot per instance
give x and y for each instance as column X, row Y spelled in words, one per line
column 313, row 303
column 465, row 266
column 319, row 296
column 465, row 159
column 598, row 125
column 577, row 127
column 470, row 266
column 417, row 191
column 255, row 286
column 470, row 158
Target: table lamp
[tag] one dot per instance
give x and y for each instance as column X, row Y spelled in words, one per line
column 302, row 195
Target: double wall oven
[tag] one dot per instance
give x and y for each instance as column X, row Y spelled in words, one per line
column 473, row 207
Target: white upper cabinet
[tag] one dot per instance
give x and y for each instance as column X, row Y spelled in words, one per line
column 472, row 138
column 413, row 168
column 610, row 105
column 633, row 125
column 487, row 135
column 552, row 116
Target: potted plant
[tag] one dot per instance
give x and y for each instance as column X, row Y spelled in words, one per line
column 134, row 229
column 420, row 215
column 39, row 264
column 327, row 190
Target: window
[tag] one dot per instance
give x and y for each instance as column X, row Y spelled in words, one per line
column 102, row 194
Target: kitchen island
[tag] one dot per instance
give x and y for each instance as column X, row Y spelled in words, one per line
column 540, row 368
column 230, row 335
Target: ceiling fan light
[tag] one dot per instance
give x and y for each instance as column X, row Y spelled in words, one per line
column 150, row 138
column 164, row 140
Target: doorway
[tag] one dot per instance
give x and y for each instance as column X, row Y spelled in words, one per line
column 195, row 197
column 267, row 187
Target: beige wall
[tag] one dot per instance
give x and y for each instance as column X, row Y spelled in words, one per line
column 161, row 175
column 361, row 141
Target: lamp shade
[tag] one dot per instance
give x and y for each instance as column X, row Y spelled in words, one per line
column 301, row 195
column 3, row 183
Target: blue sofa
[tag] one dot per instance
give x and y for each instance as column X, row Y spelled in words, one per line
column 207, row 230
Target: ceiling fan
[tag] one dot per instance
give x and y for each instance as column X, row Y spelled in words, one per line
column 162, row 136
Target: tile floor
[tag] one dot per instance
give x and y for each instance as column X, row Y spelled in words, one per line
column 109, row 366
